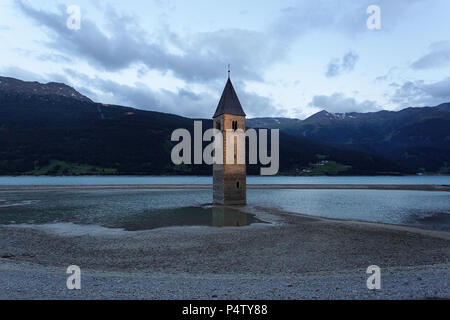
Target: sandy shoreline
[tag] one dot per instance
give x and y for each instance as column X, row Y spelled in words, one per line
column 293, row 257
column 419, row 187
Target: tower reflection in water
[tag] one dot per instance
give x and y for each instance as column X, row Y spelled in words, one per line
column 228, row 217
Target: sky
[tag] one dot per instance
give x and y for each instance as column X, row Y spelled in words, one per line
column 288, row 58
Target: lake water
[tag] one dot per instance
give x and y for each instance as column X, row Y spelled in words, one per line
column 134, row 209
column 118, row 180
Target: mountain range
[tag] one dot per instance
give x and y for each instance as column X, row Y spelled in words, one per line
column 418, row 138
column 51, row 129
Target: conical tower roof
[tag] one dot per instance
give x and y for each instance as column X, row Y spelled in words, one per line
column 229, row 102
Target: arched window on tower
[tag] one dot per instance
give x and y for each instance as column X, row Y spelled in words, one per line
column 234, row 125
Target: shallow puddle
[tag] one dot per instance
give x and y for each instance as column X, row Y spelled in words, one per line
column 190, row 216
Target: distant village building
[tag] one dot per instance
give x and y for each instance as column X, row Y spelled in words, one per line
column 229, row 180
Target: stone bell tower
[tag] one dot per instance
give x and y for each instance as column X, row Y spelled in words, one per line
column 229, row 180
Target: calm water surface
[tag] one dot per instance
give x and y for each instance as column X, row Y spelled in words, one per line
column 148, row 209
column 117, row 180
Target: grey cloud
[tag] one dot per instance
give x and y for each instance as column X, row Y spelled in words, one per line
column 141, row 96
column 381, row 78
column 19, row 73
column 319, row 15
column 57, row 77
column 23, row 52
column 349, row 61
column 418, row 93
column 330, row 15
column 333, row 68
column 438, row 56
column 142, row 71
column 255, row 105
column 339, row 66
column 339, row 103
column 54, row 57
column 392, row 73
column 202, row 57
column 183, row 102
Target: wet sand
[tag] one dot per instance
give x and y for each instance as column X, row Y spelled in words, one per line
column 291, row 257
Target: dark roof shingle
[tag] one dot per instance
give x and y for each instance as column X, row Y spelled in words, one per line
column 229, row 102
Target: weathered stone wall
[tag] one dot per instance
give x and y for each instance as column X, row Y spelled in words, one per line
column 229, row 180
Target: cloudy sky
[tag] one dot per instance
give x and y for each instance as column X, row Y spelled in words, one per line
column 288, row 58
